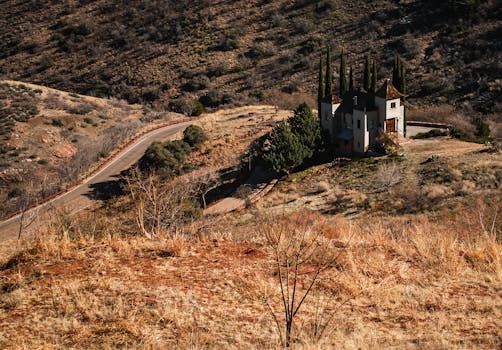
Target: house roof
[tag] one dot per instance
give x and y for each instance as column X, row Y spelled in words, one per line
column 364, row 101
column 388, row 91
column 336, row 100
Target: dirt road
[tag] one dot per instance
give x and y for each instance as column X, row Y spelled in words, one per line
column 256, row 184
column 78, row 198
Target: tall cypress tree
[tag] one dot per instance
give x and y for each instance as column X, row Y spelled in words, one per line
column 403, row 91
column 373, row 87
column 343, row 75
column 399, row 72
column 351, row 80
column 367, row 73
column 320, row 88
column 402, row 80
column 395, row 71
column 329, row 75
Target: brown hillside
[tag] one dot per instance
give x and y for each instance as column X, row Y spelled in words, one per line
column 419, row 263
column 151, row 50
column 48, row 138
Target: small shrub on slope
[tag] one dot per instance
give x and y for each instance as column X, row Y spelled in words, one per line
column 194, row 136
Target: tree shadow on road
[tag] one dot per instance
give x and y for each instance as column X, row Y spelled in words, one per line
column 107, row 190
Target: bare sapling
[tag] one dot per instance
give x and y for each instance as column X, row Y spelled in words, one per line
column 204, row 181
column 301, row 255
column 27, row 217
column 388, row 175
column 160, row 205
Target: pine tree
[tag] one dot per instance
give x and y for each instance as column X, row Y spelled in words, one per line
column 373, row 87
column 329, row 75
column 320, row 88
column 367, row 73
column 286, row 151
column 351, row 80
column 306, row 128
column 343, row 75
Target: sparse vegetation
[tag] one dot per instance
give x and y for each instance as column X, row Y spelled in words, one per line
column 196, row 48
column 61, row 147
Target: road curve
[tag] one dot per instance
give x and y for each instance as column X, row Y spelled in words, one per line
column 75, row 198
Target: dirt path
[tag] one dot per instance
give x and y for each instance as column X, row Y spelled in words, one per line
column 415, row 130
column 258, row 184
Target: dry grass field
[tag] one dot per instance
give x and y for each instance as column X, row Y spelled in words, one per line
column 426, row 277
column 396, row 283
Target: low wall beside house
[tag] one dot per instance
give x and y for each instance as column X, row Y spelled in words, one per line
column 429, row 124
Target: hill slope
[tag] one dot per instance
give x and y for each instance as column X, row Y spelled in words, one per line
column 429, row 276
column 158, row 50
column 48, row 138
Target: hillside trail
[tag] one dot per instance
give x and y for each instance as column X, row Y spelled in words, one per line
column 255, row 185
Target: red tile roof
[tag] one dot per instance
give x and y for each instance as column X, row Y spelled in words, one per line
column 336, row 100
column 388, row 91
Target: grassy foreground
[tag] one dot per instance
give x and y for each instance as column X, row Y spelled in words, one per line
column 397, row 283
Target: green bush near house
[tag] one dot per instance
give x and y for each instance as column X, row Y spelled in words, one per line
column 285, row 152
column 294, row 141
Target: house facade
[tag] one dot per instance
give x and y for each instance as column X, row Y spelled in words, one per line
column 353, row 122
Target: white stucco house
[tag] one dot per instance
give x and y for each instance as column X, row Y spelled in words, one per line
column 354, row 122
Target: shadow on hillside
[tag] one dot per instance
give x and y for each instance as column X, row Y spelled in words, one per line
column 231, row 178
column 107, row 190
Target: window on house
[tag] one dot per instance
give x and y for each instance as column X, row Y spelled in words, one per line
column 393, row 105
column 358, row 124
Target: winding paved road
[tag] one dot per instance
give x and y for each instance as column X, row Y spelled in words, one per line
column 78, row 197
